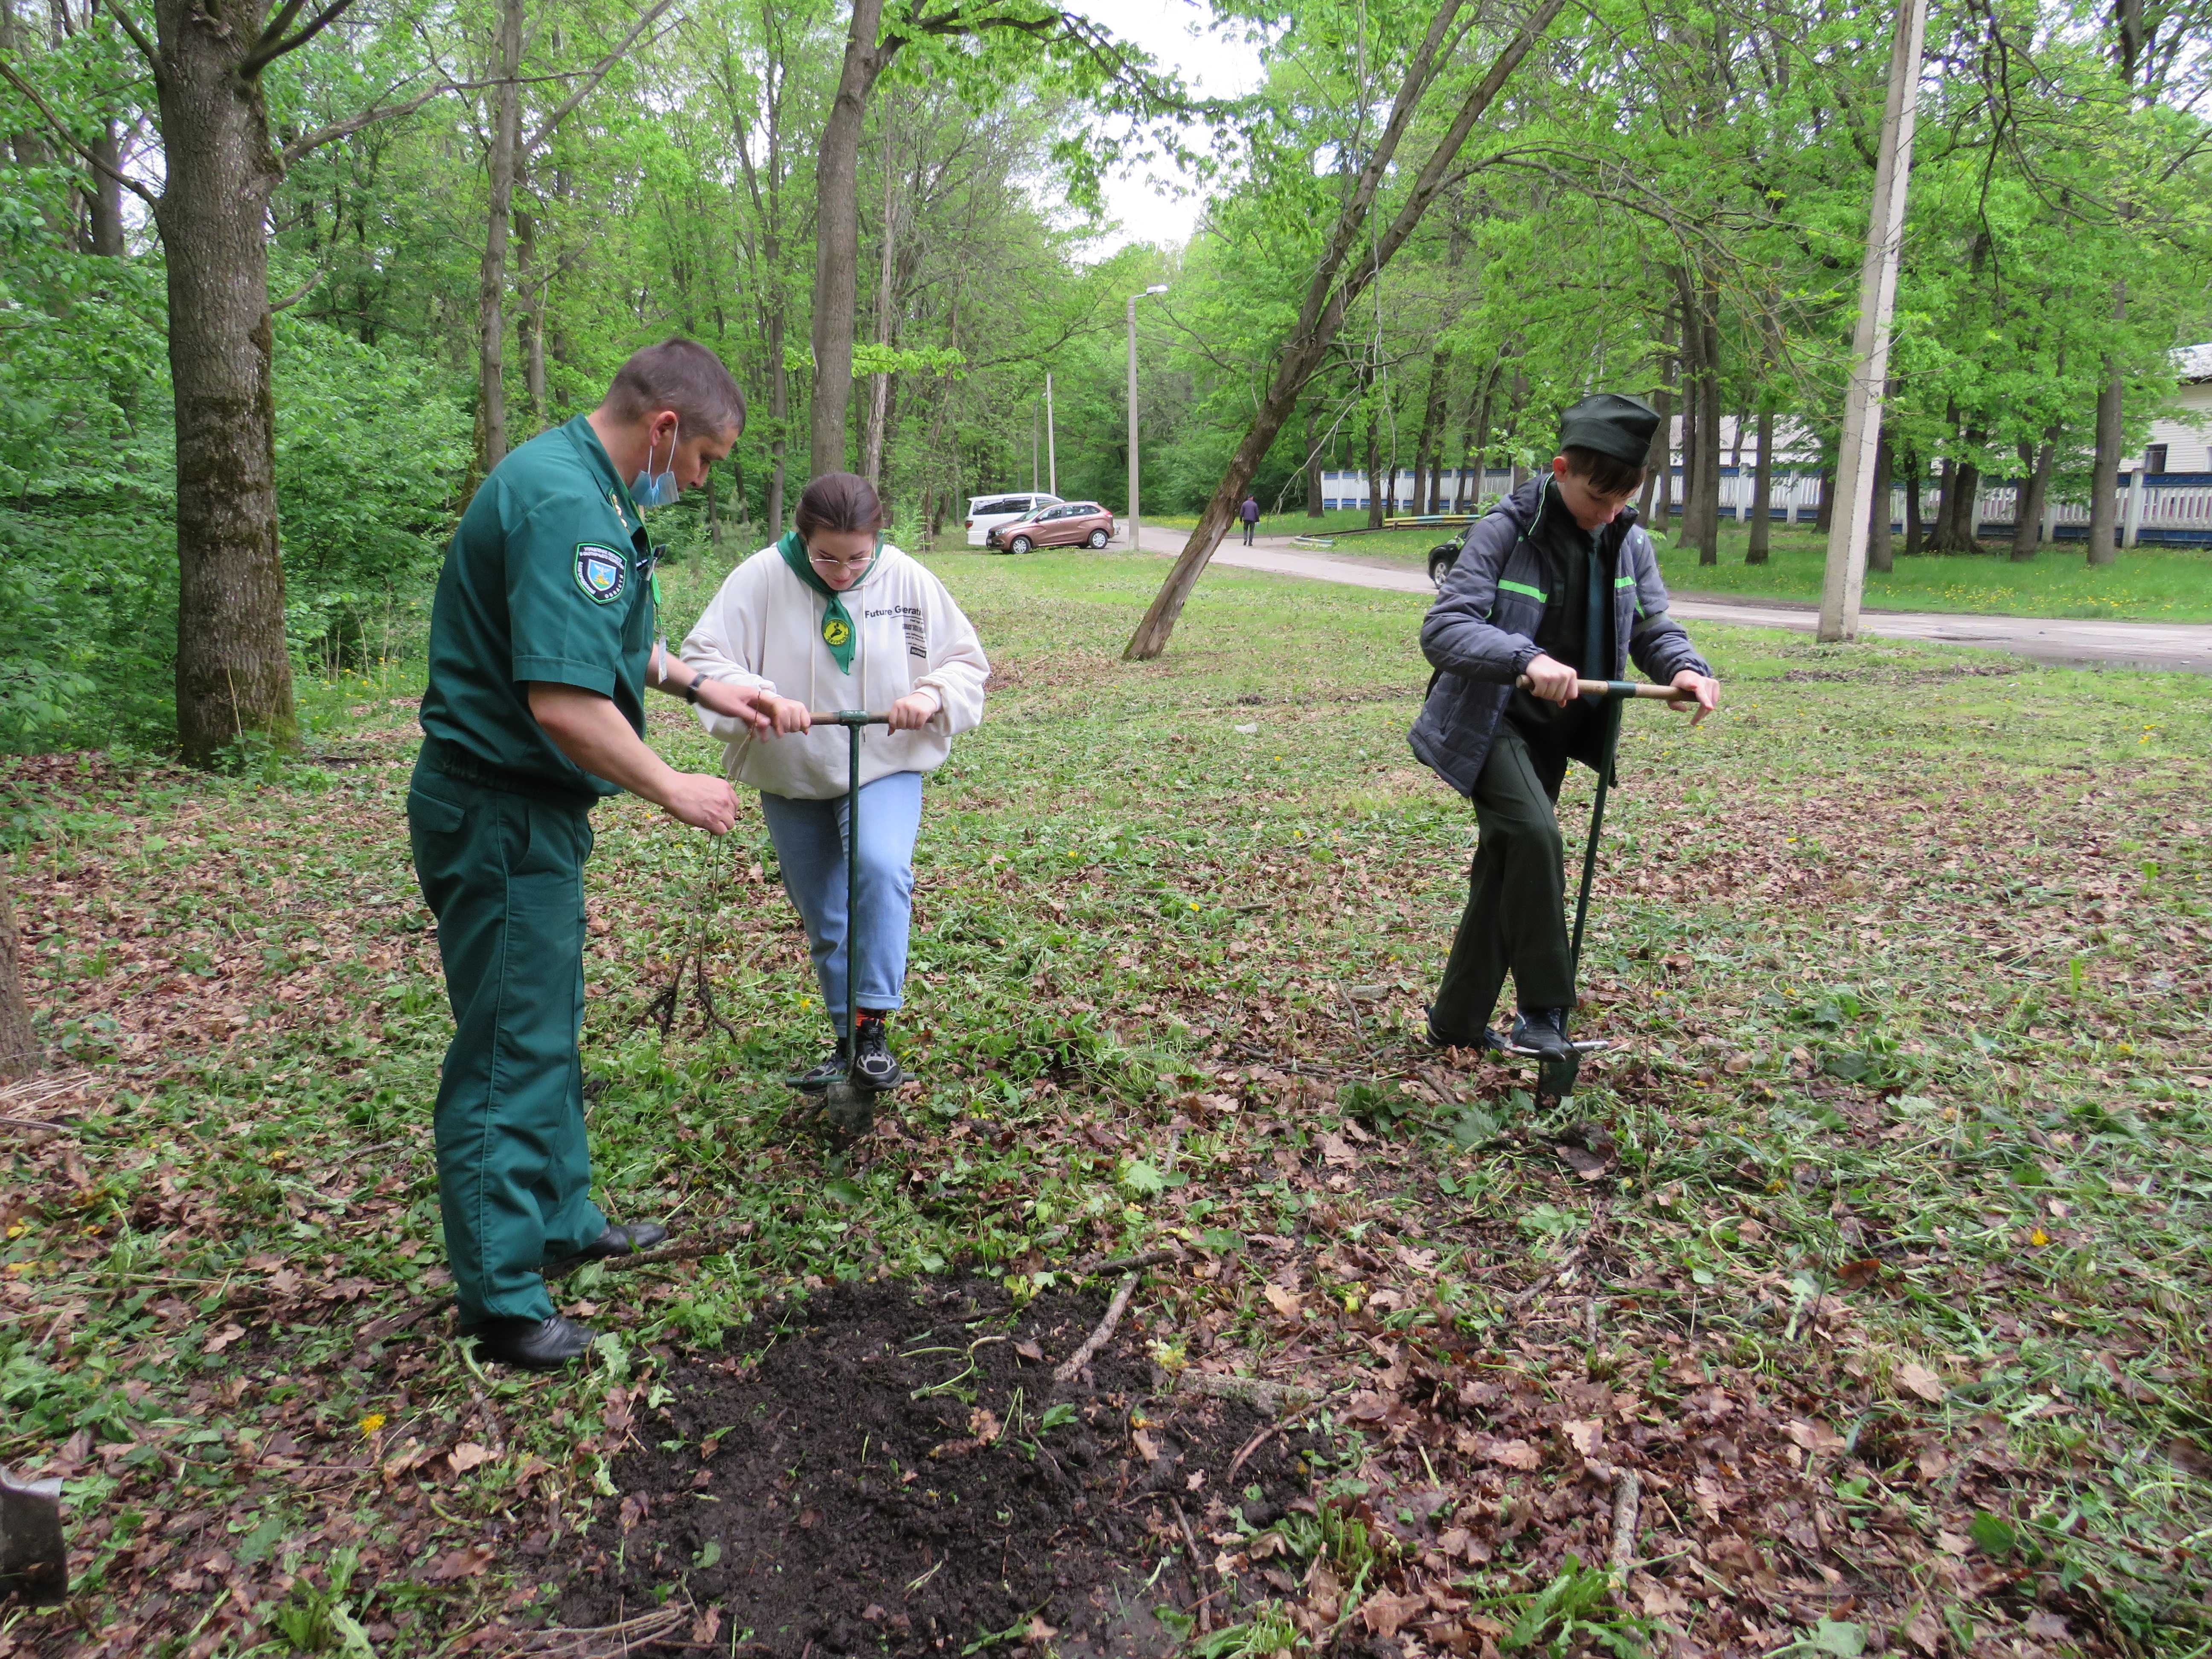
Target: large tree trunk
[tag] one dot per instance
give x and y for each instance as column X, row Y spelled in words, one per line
column 1375, row 474
column 1916, row 480
column 1824, row 515
column 1433, row 433
column 103, row 196
column 19, row 1045
column 1757, row 551
column 837, row 238
column 1881, row 545
column 233, row 673
column 2105, row 469
column 491, row 274
column 2034, row 490
column 879, row 390
column 1709, row 422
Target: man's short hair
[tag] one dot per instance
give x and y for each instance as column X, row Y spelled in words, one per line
column 1606, row 474
column 682, row 375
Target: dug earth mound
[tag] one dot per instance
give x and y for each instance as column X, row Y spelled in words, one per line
column 891, row 1468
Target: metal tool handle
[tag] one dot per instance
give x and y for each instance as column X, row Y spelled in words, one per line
column 1611, row 689
column 845, row 717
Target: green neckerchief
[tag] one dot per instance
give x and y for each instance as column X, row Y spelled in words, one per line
column 836, row 621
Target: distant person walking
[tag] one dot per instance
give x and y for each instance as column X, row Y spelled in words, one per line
column 1250, row 513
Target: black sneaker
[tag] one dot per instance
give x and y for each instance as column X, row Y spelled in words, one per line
column 1543, row 1031
column 819, row 1077
column 530, row 1345
column 874, row 1066
column 1489, row 1041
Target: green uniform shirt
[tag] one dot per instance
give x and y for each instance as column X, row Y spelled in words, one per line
column 550, row 577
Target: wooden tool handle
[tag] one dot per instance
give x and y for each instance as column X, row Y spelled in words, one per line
column 845, row 717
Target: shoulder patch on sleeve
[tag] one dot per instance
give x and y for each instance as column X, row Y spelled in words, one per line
column 602, row 572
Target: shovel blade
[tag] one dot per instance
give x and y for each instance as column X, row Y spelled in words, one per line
column 1556, row 1077
column 848, row 1108
column 34, row 1561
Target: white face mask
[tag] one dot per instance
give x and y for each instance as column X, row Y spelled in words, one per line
column 651, row 488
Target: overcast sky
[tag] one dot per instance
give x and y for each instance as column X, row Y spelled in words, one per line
column 1179, row 35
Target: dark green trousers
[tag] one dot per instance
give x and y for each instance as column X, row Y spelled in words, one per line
column 504, row 875
column 1515, row 915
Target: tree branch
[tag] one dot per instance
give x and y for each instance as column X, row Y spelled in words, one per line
column 123, row 20
column 67, row 138
column 592, row 77
column 353, row 124
column 299, row 293
column 273, row 44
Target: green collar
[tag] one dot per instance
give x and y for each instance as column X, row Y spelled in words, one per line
column 837, row 629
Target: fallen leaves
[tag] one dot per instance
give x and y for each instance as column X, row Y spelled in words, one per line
column 1916, row 1378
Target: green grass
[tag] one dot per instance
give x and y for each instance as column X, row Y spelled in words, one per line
column 2147, row 584
column 1898, row 1273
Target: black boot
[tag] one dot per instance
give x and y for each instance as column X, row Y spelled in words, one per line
column 530, row 1345
column 1543, row 1031
column 814, row 1081
column 1489, row 1041
column 874, row 1066
column 625, row 1241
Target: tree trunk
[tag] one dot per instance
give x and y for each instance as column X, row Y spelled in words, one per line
column 491, row 276
column 1331, row 289
column 2105, row 469
column 1757, row 550
column 1433, row 431
column 233, row 672
column 779, row 411
column 530, row 325
column 1693, row 423
column 1881, row 545
column 2034, row 490
column 19, row 1045
column 103, row 196
column 1313, row 470
column 1824, row 515
column 1709, row 422
column 878, row 410
column 1916, row 480
column 1375, row 474
column 837, row 239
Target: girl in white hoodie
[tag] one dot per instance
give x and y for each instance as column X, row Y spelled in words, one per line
column 832, row 618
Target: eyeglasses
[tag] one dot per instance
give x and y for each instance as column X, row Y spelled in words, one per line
column 822, row 563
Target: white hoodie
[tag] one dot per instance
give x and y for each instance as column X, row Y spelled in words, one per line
column 763, row 628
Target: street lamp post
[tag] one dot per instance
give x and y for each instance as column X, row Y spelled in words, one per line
column 1157, row 287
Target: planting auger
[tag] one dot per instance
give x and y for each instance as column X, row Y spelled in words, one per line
column 1555, row 1079
column 34, row 1562
column 849, row 1107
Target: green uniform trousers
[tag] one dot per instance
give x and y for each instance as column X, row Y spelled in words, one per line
column 504, row 875
column 1515, row 915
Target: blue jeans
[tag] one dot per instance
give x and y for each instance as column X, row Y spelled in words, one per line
column 810, row 843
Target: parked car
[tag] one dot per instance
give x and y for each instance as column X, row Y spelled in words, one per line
column 986, row 512
column 1070, row 524
column 1442, row 558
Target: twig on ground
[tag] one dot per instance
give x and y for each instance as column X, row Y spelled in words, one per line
column 392, row 1324
column 493, row 1434
column 640, row 1258
column 1197, row 1568
column 35, row 1124
column 1261, row 1439
column 1128, row 1263
column 1627, row 1497
column 1069, row 1369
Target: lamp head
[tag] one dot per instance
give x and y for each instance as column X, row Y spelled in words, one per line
column 1157, row 287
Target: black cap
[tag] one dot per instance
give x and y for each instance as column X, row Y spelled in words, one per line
column 1611, row 425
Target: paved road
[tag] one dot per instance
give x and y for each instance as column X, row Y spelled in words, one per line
column 2180, row 646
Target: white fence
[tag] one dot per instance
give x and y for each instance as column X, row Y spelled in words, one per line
column 2169, row 509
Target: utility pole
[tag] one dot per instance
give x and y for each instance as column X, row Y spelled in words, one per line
column 1051, row 454
column 1844, row 579
column 1033, row 445
column 1157, row 287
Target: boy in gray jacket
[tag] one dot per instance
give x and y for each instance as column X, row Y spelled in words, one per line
column 1560, row 582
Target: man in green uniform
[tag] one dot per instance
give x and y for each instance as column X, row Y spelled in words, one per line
column 542, row 643
column 1558, row 583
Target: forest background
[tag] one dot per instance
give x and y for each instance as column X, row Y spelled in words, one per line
column 474, row 211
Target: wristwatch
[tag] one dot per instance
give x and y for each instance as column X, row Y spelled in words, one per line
column 692, row 689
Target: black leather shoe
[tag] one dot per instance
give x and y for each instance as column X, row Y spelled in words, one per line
column 530, row 1345
column 1543, row 1031
column 819, row 1077
column 623, row 1241
column 874, row 1066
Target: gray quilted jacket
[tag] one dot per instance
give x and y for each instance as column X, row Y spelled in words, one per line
column 1481, row 631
